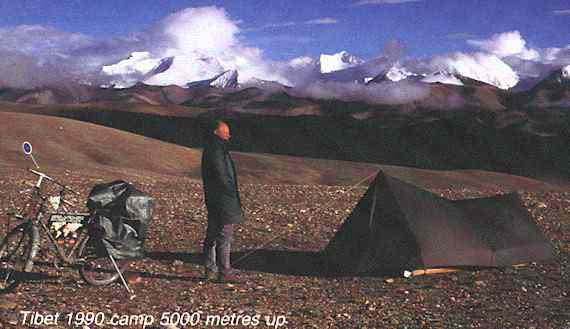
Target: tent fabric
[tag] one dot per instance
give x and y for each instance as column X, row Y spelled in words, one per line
column 124, row 214
column 397, row 225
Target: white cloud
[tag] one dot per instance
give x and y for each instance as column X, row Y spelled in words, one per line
column 204, row 42
column 382, row 93
column 322, row 21
column 302, row 61
column 383, row 2
column 506, row 44
column 205, row 29
column 561, row 12
column 49, row 56
column 39, row 40
column 316, row 21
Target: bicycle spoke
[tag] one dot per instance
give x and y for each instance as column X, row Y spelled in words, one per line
column 13, row 257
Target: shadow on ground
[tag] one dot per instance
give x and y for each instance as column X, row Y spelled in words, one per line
column 285, row 262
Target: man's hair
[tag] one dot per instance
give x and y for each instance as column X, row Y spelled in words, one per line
column 212, row 125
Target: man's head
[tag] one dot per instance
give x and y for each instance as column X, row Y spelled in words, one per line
column 222, row 130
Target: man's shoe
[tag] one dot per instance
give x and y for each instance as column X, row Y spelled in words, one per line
column 210, row 275
column 228, row 278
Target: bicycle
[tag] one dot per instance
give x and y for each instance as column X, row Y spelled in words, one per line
column 87, row 253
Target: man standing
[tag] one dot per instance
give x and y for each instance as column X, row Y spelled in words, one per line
column 222, row 201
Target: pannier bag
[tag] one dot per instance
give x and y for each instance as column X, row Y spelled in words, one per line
column 123, row 214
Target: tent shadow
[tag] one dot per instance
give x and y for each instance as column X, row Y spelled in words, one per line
column 285, row 262
column 189, row 258
column 296, row 263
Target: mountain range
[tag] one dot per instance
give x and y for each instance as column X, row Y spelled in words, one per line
column 438, row 120
column 442, row 90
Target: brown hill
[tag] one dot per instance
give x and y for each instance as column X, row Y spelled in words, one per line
column 63, row 145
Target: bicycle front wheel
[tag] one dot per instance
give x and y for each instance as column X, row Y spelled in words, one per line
column 15, row 257
column 96, row 266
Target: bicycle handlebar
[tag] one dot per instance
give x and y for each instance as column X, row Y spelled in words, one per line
column 44, row 176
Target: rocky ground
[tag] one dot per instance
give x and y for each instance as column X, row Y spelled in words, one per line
column 286, row 226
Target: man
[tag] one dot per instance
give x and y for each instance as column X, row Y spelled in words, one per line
column 222, row 201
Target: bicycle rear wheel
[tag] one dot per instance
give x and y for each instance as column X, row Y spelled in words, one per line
column 15, row 259
column 96, row 267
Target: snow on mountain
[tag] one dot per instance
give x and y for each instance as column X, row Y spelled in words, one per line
column 264, row 84
column 128, row 71
column 186, row 69
column 443, row 77
column 483, row 67
column 173, row 70
column 138, row 62
column 338, row 61
column 566, row 72
column 227, row 79
column 398, row 73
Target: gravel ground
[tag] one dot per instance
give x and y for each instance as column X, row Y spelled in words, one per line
column 285, row 226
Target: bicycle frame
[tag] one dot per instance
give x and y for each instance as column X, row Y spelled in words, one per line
column 37, row 220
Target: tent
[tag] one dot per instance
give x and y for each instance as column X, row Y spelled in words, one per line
column 124, row 214
column 398, row 226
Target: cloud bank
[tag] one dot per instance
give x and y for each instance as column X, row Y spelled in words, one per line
column 199, row 43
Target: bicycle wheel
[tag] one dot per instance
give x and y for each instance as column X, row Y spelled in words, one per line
column 96, row 267
column 15, row 260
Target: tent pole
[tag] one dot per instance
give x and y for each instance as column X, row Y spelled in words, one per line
column 429, row 271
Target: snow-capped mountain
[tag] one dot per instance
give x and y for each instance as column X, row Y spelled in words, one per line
column 264, row 84
column 183, row 70
column 129, row 71
column 443, row 77
column 156, row 71
column 489, row 69
column 187, row 69
column 559, row 78
column 338, row 61
column 162, row 66
column 227, row 79
column 553, row 91
column 566, row 72
column 395, row 74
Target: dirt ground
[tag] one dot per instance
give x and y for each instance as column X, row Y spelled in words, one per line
column 275, row 250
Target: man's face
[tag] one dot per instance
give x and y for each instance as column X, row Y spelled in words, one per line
column 223, row 131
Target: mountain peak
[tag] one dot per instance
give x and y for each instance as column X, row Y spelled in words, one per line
column 397, row 73
column 226, row 79
column 338, row 61
column 566, row 72
column 443, row 77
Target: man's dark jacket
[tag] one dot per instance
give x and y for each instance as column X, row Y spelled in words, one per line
column 220, row 183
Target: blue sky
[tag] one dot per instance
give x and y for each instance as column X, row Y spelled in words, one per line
column 283, row 29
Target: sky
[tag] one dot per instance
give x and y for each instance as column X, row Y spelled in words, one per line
column 283, row 29
column 261, row 33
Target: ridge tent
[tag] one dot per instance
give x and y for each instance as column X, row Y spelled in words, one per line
column 398, row 226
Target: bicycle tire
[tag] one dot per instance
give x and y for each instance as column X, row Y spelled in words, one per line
column 16, row 255
column 97, row 268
